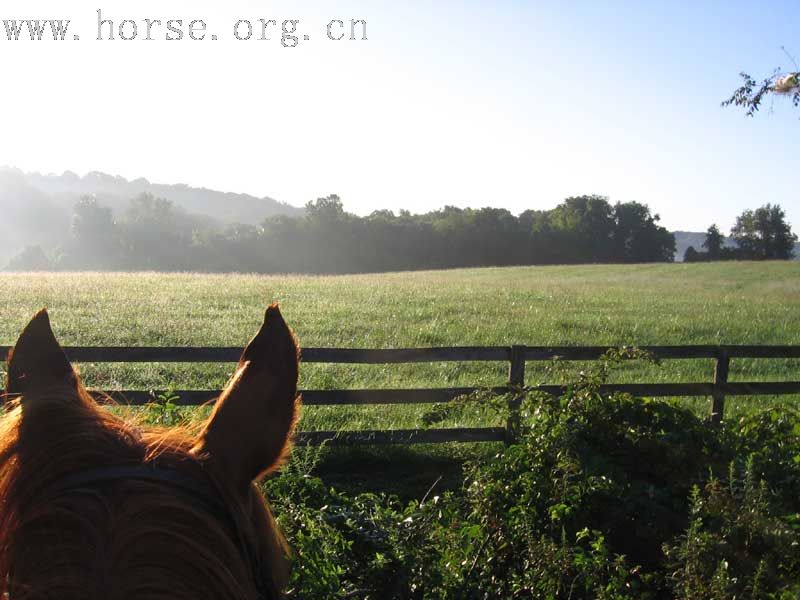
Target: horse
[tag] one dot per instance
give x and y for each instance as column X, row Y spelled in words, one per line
column 94, row 506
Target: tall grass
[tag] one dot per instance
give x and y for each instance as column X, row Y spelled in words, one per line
column 722, row 303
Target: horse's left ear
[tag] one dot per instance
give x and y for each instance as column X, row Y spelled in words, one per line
column 250, row 428
column 37, row 360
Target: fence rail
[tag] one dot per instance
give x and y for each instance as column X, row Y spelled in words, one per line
column 515, row 356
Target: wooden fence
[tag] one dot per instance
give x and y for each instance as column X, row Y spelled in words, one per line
column 515, row 356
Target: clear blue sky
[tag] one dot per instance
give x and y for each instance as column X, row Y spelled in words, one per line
column 512, row 104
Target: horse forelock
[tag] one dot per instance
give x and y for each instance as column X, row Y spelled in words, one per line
column 128, row 538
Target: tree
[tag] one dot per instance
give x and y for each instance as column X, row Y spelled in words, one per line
column 95, row 240
column 30, row 258
column 764, row 234
column 638, row 237
column 691, row 255
column 713, row 243
column 151, row 237
column 325, row 210
column 751, row 93
column 90, row 219
column 332, row 237
column 587, row 227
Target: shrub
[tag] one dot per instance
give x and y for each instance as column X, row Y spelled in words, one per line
column 736, row 546
column 603, row 496
column 593, row 476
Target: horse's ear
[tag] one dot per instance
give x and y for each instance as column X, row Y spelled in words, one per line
column 249, row 431
column 37, row 360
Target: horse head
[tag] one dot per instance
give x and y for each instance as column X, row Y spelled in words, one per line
column 95, row 506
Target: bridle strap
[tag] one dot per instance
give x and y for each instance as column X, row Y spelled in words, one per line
column 205, row 492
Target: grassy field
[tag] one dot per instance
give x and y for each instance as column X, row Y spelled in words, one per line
column 728, row 303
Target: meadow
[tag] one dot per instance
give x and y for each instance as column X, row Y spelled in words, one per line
column 720, row 303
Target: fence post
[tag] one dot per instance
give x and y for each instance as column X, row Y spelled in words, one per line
column 720, row 379
column 516, row 380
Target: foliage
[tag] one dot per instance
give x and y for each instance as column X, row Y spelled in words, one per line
column 31, row 258
column 691, row 255
column 163, row 410
column 155, row 234
column 764, row 234
column 751, row 93
column 761, row 234
column 713, row 242
column 604, row 496
column 736, row 545
column 770, row 439
column 95, row 241
column 638, row 237
column 610, row 468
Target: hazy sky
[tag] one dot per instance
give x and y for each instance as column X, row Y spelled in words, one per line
column 512, row 104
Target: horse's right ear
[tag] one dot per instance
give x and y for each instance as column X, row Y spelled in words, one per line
column 37, row 360
column 250, row 430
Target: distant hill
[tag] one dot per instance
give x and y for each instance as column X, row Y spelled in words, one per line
column 684, row 239
column 115, row 191
column 36, row 208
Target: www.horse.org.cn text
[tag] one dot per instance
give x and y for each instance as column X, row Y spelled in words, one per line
column 289, row 33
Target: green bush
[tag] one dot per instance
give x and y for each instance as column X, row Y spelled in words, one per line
column 736, row 546
column 771, row 440
column 593, row 476
column 603, row 496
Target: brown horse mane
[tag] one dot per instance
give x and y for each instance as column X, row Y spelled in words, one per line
column 128, row 537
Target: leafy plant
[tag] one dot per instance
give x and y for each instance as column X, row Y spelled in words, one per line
column 751, row 93
column 163, row 410
column 736, row 545
column 603, row 496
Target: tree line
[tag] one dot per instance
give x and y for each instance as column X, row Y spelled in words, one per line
column 761, row 234
column 155, row 234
